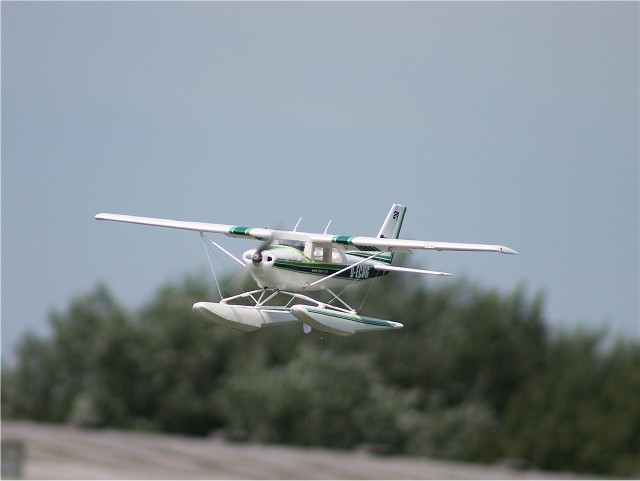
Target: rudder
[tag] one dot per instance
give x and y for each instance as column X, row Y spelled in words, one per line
column 391, row 228
column 393, row 223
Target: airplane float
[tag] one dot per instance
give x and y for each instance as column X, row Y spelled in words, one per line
column 298, row 263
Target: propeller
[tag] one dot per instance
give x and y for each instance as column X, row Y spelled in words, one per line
column 256, row 258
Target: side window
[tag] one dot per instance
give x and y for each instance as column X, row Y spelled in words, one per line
column 323, row 254
column 328, row 255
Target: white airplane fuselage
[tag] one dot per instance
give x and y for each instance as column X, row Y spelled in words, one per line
column 288, row 268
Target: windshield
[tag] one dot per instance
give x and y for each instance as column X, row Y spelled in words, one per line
column 290, row 243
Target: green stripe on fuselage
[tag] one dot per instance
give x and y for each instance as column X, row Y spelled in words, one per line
column 282, row 246
column 360, row 272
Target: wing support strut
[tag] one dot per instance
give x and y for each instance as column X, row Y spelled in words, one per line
column 205, row 239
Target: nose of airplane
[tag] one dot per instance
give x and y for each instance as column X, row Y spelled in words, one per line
column 255, row 257
column 260, row 268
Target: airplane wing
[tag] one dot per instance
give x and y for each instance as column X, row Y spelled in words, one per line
column 228, row 230
column 341, row 241
column 404, row 245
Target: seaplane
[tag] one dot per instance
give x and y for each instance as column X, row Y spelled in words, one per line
column 294, row 265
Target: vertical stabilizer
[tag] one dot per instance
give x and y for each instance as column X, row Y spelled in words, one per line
column 393, row 223
column 391, row 228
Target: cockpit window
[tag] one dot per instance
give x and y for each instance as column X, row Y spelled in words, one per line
column 328, row 255
column 289, row 243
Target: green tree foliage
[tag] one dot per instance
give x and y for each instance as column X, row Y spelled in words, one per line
column 474, row 375
column 316, row 399
column 580, row 411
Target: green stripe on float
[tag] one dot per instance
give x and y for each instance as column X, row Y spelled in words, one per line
column 362, row 320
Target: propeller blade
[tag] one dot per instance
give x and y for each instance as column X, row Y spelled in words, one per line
column 257, row 255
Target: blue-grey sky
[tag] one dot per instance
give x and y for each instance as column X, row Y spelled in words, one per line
column 510, row 123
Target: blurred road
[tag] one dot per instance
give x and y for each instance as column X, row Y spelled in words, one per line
column 64, row 452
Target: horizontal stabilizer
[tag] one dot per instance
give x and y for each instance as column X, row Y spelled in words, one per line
column 409, row 270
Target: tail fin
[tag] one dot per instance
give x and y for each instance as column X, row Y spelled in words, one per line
column 391, row 228
column 393, row 223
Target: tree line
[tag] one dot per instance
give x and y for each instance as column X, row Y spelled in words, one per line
column 474, row 375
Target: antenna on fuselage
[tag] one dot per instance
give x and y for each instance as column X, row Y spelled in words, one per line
column 327, row 228
column 297, row 224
